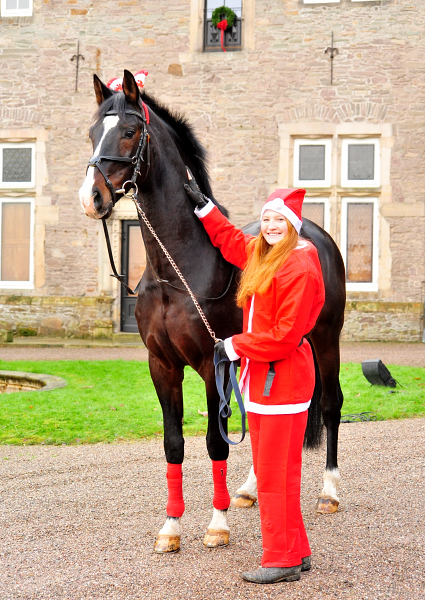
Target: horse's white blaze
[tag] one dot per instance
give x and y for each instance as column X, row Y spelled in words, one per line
column 171, row 527
column 331, row 480
column 219, row 521
column 250, row 485
column 86, row 190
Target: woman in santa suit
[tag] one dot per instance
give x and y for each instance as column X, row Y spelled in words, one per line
column 281, row 292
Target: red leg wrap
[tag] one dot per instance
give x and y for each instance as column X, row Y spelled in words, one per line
column 175, row 504
column 221, row 500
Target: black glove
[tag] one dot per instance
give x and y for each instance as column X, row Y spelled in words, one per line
column 219, row 348
column 196, row 197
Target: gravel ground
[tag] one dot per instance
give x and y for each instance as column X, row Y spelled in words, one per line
column 390, row 353
column 80, row 523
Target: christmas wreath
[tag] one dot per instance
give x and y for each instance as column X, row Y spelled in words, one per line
column 223, row 18
column 223, row 13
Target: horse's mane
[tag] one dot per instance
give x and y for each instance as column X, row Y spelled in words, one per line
column 190, row 149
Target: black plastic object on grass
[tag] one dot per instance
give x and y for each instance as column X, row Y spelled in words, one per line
column 377, row 373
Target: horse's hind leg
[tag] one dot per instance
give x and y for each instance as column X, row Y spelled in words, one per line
column 218, row 531
column 246, row 495
column 168, row 385
column 326, row 346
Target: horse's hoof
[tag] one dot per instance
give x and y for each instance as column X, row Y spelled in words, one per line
column 167, row 543
column 327, row 505
column 215, row 539
column 243, row 500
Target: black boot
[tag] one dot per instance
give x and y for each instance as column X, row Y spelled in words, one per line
column 273, row 574
column 306, row 563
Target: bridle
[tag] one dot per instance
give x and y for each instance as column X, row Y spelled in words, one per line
column 135, row 160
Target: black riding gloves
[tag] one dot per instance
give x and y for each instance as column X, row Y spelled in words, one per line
column 196, row 197
column 220, row 350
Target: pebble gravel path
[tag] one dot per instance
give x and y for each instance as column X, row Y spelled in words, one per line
column 80, row 522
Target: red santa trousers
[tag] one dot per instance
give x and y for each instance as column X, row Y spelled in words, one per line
column 277, row 442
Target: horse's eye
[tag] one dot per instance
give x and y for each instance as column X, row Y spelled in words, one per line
column 129, row 134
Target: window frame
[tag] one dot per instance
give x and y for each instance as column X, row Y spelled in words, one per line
column 16, row 12
column 19, row 285
column 18, row 184
column 327, row 209
column 360, row 183
column 362, row 286
column 313, row 183
column 321, row 1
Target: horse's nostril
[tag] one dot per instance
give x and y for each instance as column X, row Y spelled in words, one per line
column 97, row 200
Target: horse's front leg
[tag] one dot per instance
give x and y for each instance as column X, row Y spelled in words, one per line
column 168, row 385
column 218, row 531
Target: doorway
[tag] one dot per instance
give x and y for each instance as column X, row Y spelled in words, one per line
column 133, row 262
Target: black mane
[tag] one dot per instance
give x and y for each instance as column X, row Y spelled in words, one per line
column 190, row 149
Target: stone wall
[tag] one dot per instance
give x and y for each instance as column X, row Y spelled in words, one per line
column 56, row 316
column 236, row 102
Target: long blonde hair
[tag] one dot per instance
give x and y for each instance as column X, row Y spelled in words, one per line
column 264, row 261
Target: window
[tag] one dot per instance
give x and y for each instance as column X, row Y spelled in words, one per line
column 317, row 210
column 360, row 163
column 359, row 242
column 232, row 39
column 16, row 242
column 17, row 165
column 312, row 162
column 16, row 8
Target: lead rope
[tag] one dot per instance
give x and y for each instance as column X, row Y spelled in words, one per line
column 172, row 263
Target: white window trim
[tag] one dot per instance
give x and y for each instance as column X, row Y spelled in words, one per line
column 373, row 285
column 358, row 183
column 16, row 12
column 311, row 183
column 20, row 285
column 327, row 210
column 18, row 184
column 320, row 1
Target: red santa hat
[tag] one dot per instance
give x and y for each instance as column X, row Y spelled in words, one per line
column 288, row 203
column 115, row 84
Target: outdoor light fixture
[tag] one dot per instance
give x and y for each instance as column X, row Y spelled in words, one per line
column 377, row 373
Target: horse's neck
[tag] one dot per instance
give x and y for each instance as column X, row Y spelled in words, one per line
column 171, row 215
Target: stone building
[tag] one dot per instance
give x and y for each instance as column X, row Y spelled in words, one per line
column 269, row 116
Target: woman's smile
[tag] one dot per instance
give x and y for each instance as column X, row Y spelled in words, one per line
column 273, row 227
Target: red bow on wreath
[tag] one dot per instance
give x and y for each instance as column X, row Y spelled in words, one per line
column 223, row 25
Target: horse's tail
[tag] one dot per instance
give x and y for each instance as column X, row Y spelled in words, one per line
column 314, row 429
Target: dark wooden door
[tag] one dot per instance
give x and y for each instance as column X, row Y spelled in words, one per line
column 133, row 262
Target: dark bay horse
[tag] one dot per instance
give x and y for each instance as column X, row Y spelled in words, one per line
column 129, row 127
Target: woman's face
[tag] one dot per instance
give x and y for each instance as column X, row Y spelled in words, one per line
column 273, row 227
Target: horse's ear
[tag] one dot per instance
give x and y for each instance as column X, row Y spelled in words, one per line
column 130, row 88
column 102, row 92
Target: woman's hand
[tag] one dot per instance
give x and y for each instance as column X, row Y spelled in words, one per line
column 195, row 195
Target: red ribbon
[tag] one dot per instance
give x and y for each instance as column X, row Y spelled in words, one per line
column 223, row 26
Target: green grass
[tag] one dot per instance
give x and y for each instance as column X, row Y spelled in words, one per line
column 108, row 401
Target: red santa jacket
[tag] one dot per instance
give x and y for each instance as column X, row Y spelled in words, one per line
column 286, row 312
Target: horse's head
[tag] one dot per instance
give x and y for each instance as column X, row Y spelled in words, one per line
column 118, row 136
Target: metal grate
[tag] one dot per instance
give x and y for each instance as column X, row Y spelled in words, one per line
column 17, row 165
column 314, row 211
column 359, row 242
column 312, row 162
column 232, row 37
column 361, row 162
